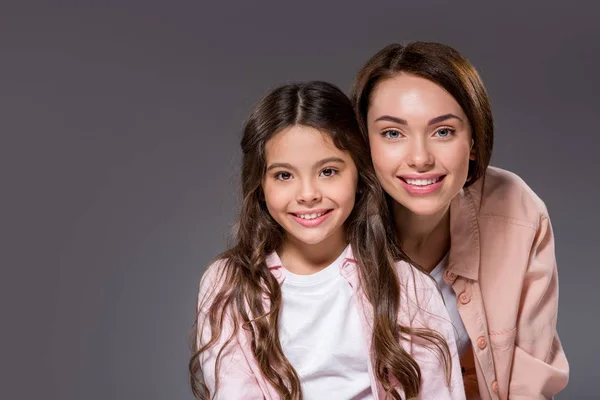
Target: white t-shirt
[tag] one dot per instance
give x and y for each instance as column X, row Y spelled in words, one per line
column 322, row 336
column 462, row 337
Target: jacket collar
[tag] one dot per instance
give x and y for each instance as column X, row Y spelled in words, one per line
column 275, row 265
column 465, row 249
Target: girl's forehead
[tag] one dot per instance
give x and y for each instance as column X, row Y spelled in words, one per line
column 300, row 139
column 301, row 146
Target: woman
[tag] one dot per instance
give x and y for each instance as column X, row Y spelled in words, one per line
column 480, row 231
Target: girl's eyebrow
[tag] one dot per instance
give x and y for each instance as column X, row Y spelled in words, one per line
column 280, row 165
column 317, row 164
column 329, row 160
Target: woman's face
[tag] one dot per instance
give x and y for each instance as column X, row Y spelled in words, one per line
column 420, row 142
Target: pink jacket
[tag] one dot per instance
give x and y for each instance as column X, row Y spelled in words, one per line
column 240, row 377
column 503, row 270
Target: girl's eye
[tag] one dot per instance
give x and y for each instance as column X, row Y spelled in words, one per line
column 283, row 176
column 444, row 132
column 391, row 134
column 327, row 172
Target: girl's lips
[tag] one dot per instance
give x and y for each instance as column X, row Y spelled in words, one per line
column 422, row 189
column 310, row 223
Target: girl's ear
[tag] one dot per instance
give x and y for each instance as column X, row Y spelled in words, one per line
column 360, row 186
column 472, row 156
column 261, row 193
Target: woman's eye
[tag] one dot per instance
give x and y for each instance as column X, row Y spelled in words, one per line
column 444, row 132
column 328, row 172
column 283, row 176
column 391, row 134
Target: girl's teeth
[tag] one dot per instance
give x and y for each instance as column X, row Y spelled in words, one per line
column 422, row 182
column 310, row 216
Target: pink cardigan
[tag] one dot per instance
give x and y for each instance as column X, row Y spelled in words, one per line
column 240, row 377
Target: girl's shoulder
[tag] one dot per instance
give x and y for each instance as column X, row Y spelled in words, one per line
column 212, row 281
column 416, row 291
column 412, row 277
column 214, row 273
column 414, row 280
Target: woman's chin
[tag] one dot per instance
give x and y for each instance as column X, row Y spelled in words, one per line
column 424, row 207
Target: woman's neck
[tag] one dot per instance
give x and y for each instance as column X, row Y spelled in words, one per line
column 424, row 238
column 305, row 259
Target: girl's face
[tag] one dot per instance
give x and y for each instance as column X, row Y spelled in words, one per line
column 309, row 185
column 420, row 141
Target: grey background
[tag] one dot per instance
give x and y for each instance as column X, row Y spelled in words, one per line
column 120, row 123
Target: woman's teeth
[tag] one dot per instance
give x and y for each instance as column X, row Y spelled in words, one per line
column 422, row 182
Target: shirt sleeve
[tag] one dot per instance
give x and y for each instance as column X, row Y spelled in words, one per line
column 236, row 380
column 235, row 377
column 539, row 368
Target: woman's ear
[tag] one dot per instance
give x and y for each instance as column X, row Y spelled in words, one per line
column 472, row 156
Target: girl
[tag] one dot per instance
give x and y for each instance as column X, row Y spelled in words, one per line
column 480, row 231
column 309, row 303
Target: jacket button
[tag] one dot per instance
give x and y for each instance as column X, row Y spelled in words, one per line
column 449, row 277
column 464, row 297
column 495, row 387
column 481, row 342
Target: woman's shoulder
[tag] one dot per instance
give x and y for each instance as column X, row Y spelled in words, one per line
column 502, row 193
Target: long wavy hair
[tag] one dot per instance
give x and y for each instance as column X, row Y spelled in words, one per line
column 247, row 282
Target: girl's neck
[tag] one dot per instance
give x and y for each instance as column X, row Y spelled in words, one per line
column 424, row 238
column 305, row 259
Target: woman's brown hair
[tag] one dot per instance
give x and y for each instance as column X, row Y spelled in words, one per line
column 247, row 282
column 444, row 66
